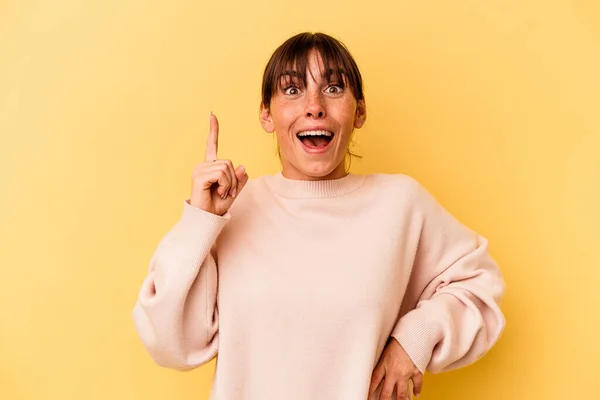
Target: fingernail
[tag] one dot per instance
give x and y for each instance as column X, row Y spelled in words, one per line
column 234, row 193
column 243, row 170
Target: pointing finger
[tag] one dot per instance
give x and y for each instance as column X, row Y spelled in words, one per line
column 212, row 143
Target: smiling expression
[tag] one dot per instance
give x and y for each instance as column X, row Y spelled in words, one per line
column 313, row 115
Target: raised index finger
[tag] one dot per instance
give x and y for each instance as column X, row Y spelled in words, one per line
column 212, row 143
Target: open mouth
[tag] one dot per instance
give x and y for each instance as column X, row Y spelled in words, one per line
column 315, row 139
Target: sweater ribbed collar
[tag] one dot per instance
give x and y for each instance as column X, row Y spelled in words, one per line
column 304, row 189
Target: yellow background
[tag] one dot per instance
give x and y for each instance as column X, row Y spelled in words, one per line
column 492, row 105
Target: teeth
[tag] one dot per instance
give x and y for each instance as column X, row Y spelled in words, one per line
column 315, row 133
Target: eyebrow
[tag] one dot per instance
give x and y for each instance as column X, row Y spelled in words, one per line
column 290, row 75
column 327, row 74
column 339, row 72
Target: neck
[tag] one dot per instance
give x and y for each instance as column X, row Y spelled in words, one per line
column 315, row 188
column 292, row 173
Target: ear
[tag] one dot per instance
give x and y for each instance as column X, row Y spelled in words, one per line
column 266, row 119
column 361, row 114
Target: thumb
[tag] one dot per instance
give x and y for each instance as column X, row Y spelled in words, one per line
column 242, row 177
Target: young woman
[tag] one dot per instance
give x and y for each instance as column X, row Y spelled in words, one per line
column 315, row 283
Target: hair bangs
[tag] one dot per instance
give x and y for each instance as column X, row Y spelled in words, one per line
column 289, row 63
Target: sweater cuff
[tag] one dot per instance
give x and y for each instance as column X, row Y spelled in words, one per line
column 191, row 213
column 418, row 332
column 194, row 233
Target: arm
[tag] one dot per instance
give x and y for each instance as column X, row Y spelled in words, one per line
column 176, row 313
column 451, row 312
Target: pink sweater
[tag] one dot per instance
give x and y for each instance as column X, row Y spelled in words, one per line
column 298, row 287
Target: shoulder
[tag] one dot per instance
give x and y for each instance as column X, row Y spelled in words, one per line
column 396, row 184
column 402, row 192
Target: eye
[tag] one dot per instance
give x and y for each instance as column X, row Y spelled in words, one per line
column 291, row 90
column 334, row 88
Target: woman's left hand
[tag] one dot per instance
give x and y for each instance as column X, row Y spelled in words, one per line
column 396, row 369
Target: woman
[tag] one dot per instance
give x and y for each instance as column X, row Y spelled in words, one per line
column 315, row 283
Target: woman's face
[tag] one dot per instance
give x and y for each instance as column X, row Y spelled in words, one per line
column 313, row 123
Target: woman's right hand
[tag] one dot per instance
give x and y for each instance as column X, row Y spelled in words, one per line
column 216, row 183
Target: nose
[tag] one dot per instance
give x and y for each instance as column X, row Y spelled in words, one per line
column 314, row 106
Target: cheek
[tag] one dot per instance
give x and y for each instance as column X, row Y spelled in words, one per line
column 346, row 115
column 284, row 139
column 345, row 108
column 282, row 119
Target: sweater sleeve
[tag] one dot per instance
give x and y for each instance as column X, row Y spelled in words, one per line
column 452, row 313
column 176, row 314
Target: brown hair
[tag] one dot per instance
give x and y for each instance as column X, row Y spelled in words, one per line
column 293, row 53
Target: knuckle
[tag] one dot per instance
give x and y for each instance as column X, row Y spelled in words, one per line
column 222, row 179
column 224, row 167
